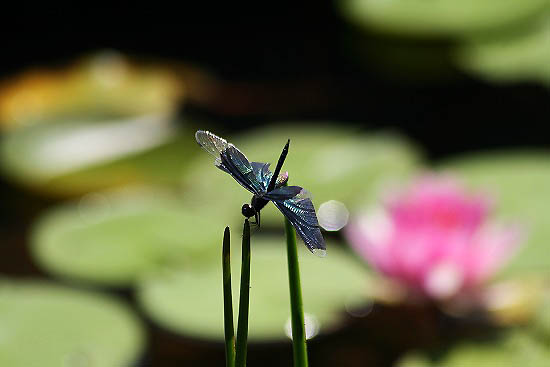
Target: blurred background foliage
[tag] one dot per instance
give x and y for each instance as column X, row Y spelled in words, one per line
column 113, row 216
column 501, row 41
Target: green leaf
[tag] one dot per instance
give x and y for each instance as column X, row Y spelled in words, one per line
column 439, row 18
column 111, row 238
column 511, row 349
column 241, row 344
column 521, row 346
column 189, row 300
column 504, row 57
column 540, row 326
column 44, row 325
column 519, row 181
column 77, row 156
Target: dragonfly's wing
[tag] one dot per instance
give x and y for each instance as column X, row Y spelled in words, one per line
column 231, row 160
column 213, row 144
column 295, row 204
column 263, row 175
column 287, row 192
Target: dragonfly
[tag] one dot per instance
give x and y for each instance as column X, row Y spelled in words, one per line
column 294, row 202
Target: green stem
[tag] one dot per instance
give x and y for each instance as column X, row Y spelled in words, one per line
column 296, row 307
column 242, row 327
column 228, row 302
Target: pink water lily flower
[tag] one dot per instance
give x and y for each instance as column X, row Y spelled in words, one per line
column 434, row 238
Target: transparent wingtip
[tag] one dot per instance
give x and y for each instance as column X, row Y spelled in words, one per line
column 319, row 252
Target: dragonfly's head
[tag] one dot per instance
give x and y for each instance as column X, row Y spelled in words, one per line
column 248, row 211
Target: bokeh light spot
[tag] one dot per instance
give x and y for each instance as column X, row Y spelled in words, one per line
column 333, row 215
column 312, row 326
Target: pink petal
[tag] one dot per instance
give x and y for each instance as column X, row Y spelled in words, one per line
column 433, row 237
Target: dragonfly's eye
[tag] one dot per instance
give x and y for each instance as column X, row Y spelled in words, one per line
column 248, row 211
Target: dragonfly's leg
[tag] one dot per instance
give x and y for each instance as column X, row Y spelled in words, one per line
column 257, row 217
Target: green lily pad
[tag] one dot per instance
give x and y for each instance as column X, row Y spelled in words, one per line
column 111, row 238
column 527, row 345
column 43, row 325
column 332, row 164
column 439, row 18
column 512, row 349
column 541, row 323
column 519, row 181
column 189, row 301
column 523, row 55
column 78, row 156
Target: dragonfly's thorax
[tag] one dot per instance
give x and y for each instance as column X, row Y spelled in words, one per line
column 258, row 202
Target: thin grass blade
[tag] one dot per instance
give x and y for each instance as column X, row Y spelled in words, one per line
column 299, row 347
column 242, row 327
column 228, row 301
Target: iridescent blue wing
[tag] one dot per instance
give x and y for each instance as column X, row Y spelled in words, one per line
column 231, row 160
column 263, row 175
column 295, row 204
column 287, row 192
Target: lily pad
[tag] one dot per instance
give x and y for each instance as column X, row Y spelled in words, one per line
column 439, row 18
column 43, row 325
column 78, row 156
column 111, row 238
column 105, row 83
column 541, row 323
column 513, row 349
column 189, row 301
column 519, row 181
column 332, row 164
column 527, row 345
column 521, row 56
